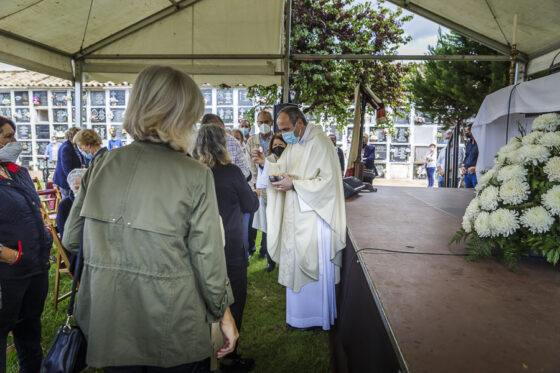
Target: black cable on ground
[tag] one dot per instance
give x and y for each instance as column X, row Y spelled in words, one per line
column 382, row 251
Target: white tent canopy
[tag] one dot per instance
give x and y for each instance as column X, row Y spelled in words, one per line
column 523, row 102
column 215, row 41
column 491, row 23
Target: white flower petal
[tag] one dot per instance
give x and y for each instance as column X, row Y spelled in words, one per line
column 536, row 219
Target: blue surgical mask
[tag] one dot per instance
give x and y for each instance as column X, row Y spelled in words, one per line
column 244, row 131
column 290, row 138
column 87, row 156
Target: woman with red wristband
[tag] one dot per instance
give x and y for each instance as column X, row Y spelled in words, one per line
column 24, row 253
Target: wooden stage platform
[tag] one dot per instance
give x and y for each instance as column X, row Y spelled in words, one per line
column 422, row 313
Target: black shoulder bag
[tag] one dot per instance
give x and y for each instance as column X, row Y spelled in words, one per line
column 68, row 351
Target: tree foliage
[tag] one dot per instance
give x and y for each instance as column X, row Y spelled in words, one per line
column 452, row 91
column 326, row 88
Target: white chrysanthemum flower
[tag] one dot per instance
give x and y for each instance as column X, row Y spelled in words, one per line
column 552, row 169
column 489, row 198
column 503, row 222
column 482, row 224
column 511, row 172
column 534, row 154
column 514, row 192
column 537, row 219
column 546, row 122
column 473, row 208
column 550, row 139
column 532, row 138
column 508, row 150
column 467, row 226
column 551, row 200
column 485, row 178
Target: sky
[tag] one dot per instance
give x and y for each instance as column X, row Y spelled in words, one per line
column 423, row 32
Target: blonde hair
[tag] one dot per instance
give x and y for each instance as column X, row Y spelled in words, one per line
column 87, row 137
column 69, row 135
column 211, row 146
column 164, row 106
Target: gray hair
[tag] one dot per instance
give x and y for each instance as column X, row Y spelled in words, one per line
column 294, row 113
column 267, row 113
column 234, row 131
column 210, row 118
column 211, row 146
column 75, row 174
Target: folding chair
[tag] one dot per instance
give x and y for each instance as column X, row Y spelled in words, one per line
column 62, row 266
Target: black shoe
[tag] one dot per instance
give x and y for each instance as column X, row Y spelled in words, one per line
column 237, row 364
column 270, row 267
column 311, row 328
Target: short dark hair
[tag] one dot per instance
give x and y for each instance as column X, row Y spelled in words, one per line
column 211, row 119
column 4, row 120
column 276, row 136
column 294, row 113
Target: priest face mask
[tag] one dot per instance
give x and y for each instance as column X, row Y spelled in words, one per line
column 291, row 134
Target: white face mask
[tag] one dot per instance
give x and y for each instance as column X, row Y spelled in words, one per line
column 265, row 128
column 11, row 151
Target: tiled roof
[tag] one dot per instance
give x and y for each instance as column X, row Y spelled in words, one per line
column 9, row 79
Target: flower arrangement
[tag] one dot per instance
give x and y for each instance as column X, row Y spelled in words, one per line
column 517, row 207
column 36, row 101
column 419, row 120
column 113, row 100
column 6, row 101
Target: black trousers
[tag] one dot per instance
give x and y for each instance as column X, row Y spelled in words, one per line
column 237, row 274
column 22, row 306
column 252, row 234
column 202, row 366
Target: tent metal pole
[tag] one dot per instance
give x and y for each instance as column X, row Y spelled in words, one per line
column 296, row 57
column 455, row 170
column 286, row 87
column 447, row 162
column 449, row 57
column 78, row 89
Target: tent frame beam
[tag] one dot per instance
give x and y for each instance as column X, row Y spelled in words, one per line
column 491, row 43
column 164, row 13
column 297, row 57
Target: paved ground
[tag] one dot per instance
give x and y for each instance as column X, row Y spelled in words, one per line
column 401, row 182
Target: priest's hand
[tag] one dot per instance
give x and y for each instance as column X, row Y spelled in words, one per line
column 257, row 156
column 285, row 184
column 8, row 255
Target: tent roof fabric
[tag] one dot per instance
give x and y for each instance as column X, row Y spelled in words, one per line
column 538, row 30
column 46, row 36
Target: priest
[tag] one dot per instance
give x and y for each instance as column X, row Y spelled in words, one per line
column 306, row 219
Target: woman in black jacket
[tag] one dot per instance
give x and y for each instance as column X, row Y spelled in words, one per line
column 24, row 256
column 235, row 198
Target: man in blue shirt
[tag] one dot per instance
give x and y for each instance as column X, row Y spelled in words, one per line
column 114, row 143
column 468, row 168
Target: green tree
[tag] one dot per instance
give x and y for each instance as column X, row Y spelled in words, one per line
column 452, row 91
column 326, row 88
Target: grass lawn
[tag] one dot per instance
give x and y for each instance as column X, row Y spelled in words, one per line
column 264, row 335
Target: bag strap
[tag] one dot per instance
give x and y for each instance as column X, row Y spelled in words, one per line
column 77, row 274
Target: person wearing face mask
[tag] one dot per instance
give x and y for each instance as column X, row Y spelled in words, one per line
column 89, row 143
column 431, row 164
column 440, row 163
column 258, row 141
column 69, row 158
column 24, row 256
column 306, row 219
column 245, row 127
column 339, row 153
column 468, row 168
column 275, row 149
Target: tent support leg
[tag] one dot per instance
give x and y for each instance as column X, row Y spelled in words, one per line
column 286, row 86
column 78, row 89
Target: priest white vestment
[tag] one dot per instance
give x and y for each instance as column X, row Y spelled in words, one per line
column 307, row 227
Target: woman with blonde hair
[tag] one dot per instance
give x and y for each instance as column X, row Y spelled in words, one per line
column 154, row 272
column 89, row 143
column 235, row 198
